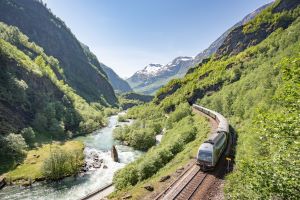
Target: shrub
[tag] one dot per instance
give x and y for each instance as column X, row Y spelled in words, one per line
column 126, row 177
column 61, row 163
column 29, row 135
column 14, row 145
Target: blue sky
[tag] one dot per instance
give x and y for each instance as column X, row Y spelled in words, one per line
column 126, row 35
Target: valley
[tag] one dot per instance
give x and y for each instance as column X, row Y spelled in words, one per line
column 223, row 124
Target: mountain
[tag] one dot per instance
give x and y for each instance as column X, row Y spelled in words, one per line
column 255, row 85
column 119, row 85
column 153, row 76
column 38, row 23
column 35, row 97
column 150, row 82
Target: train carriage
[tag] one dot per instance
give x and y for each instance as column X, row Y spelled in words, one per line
column 211, row 150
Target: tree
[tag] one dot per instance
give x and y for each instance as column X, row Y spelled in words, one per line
column 15, row 145
column 29, row 135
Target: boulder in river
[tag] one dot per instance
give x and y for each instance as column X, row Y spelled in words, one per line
column 114, row 154
column 96, row 164
column 2, row 182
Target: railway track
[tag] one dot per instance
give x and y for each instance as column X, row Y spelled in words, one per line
column 185, row 186
column 189, row 190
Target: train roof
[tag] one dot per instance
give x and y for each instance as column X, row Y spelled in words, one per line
column 213, row 139
column 223, row 125
column 206, row 147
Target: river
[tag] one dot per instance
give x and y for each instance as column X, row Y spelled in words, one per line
column 100, row 142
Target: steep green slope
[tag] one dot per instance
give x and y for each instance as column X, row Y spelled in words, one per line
column 33, row 96
column 130, row 99
column 51, row 33
column 118, row 84
column 258, row 91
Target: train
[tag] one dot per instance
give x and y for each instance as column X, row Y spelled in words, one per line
column 211, row 150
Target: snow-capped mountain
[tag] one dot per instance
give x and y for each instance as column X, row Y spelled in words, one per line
column 150, row 70
column 158, row 73
column 154, row 76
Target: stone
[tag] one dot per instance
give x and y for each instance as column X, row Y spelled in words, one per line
column 105, row 167
column 96, row 165
column 164, row 178
column 126, row 143
column 149, row 187
column 26, row 183
column 127, row 196
column 114, row 154
column 2, row 182
column 179, row 170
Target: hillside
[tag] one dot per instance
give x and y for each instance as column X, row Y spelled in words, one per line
column 256, row 88
column 148, row 82
column 36, row 104
column 48, row 31
column 131, row 99
column 119, row 85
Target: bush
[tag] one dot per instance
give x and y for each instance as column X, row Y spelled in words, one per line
column 29, row 135
column 122, row 118
column 62, row 163
column 13, row 145
column 126, row 177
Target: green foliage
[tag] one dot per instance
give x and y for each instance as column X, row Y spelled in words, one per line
column 13, row 145
column 62, row 163
column 182, row 111
column 121, row 118
column 268, row 16
column 183, row 132
column 272, row 169
column 54, row 116
column 29, row 135
column 126, row 177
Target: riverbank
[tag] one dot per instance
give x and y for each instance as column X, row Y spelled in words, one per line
column 31, row 170
column 97, row 145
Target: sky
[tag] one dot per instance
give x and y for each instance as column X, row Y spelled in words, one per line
column 127, row 35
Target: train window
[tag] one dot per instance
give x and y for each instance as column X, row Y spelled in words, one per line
column 205, row 156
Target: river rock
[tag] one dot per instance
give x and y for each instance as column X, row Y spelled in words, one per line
column 126, row 143
column 2, row 182
column 97, row 165
column 164, row 178
column 114, row 154
column 105, row 167
column 149, row 187
column 26, row 183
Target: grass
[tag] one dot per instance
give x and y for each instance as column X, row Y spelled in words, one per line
column 31, row 168
column 180, row 160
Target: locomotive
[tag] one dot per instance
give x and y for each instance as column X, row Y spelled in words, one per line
column 211, row 150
